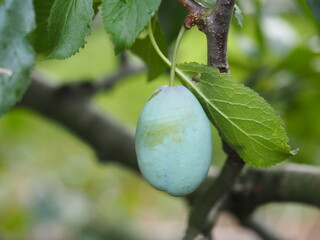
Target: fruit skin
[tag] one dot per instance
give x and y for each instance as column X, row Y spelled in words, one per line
column 173, row 141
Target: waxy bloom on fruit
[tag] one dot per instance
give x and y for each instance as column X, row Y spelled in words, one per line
column 173, row 141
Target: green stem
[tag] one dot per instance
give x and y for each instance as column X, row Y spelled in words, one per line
column 174, row 56
column 163, row 57
column 156, row 47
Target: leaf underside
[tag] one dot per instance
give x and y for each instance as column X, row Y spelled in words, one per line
column 69, row 24
column 244, row 119
column 144, row 49
column 207, row 3
column 171, row 16
column 315, row 8
column 16, row 55
column 124, row 20
column 238, row 14
column 42, row 9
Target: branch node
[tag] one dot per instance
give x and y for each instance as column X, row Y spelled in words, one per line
column 197, row 14
column 193, row 19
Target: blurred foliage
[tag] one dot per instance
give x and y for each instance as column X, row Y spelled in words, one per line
column 52, row 186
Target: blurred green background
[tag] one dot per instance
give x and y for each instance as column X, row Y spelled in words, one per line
column 53, row 187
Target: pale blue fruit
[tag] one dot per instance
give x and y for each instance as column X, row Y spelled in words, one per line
column 173, row 141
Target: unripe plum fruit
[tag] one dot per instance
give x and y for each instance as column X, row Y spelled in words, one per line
column 173, row 141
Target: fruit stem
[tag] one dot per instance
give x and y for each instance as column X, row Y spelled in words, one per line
column 155, row 45
column 174, row 56
column 163, row 57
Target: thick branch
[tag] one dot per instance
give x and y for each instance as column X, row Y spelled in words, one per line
column 255, row 187
column 288, row 183
column 208, row 205
column 217, row 29
column 215, row 24
column 71, row 109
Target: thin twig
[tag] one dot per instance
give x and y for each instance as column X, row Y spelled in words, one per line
column 191, row 5
column 90, row 87
column 124, row 71
column 124, row 59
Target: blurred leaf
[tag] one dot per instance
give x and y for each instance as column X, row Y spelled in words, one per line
column 124, row 20
column 171, row 15
column 144, row 49
column 315, row 8
column 238, row 14
column 42, row 9
column 303, row 66
column 16, row 55
column 244, row 119
column 303, row 125
column 13, row 221
column 207, row 3
column 260, row 36
column 69, row 24
column 308, row 11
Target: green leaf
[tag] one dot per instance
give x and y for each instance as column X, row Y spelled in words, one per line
column 244, row 119
column 125, row 19
column 207, row 3
column 42, row 9
column 238, row 14
column 16, row 53
column 144, row 49
column 315, row 8
column 69, row 24
column 171, row 15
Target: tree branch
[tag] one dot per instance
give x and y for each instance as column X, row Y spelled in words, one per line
column 215, row 24
column 286, row 183
column 254, row 187
column 209, row 203
column 191, row 5
column 90, row 87
column 124, row 71
column 74, row 110
column 217, row 29
column 196, row 12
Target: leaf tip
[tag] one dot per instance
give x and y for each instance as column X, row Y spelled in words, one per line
column 294, row 151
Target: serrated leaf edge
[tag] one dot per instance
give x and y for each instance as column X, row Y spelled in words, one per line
column 52, row 55
column 207, row 101
column 113, row 36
